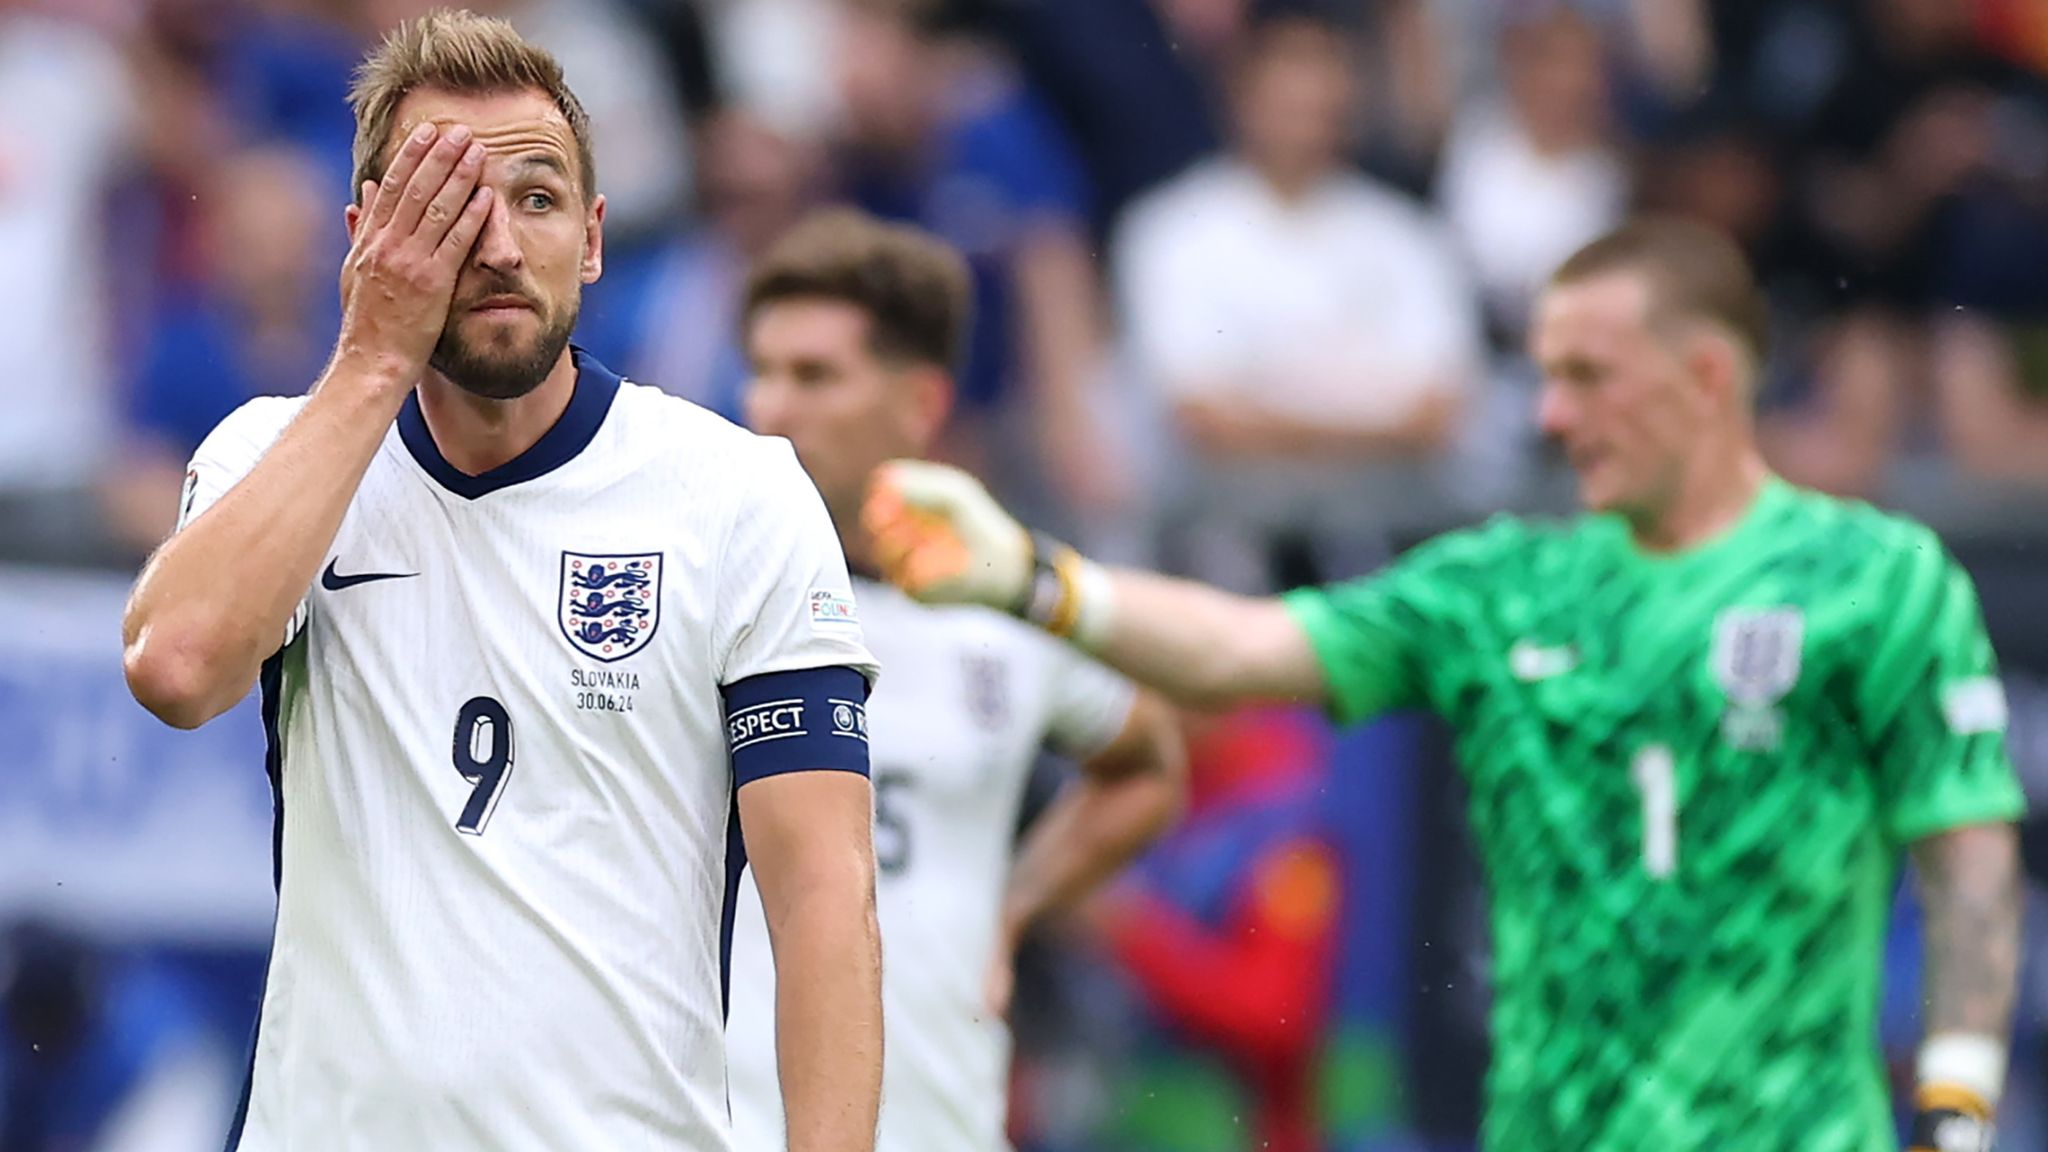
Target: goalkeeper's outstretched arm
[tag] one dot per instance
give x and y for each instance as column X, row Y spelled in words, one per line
column 941, row 537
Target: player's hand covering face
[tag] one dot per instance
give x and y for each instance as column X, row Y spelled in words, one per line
column 941, row 537
column 519, row 289
column 408, row 242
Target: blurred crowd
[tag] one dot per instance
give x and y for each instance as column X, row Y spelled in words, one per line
column 1252, row 277
column 1252, row 281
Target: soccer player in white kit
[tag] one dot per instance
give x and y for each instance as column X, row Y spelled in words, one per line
column 851, row 326
column 537, row 646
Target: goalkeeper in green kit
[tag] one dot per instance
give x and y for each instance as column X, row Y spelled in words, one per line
column 1702, row 726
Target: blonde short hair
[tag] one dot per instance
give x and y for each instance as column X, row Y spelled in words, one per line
column 1695, row 272
column 462, row 52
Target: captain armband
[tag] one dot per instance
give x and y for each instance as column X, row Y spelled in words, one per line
column 803, row 720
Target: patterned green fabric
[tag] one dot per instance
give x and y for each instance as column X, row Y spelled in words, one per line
column 1691, row 780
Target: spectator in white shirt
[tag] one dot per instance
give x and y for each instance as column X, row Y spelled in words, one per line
column 66, row 127
column 1303, row 323
column 1531, row 174
column 1284, row 303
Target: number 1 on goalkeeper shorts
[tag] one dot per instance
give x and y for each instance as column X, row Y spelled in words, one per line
column 1655, row 775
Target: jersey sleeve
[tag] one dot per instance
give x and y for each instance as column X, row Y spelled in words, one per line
column 1387, row 641
column 1930, row 704
column 231, row 450
column 227, row 454
column 1089, row 705
column 784, row 600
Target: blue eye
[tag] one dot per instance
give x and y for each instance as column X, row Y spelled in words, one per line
column 539, row 201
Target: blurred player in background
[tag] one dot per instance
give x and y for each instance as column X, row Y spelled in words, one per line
column 569, row 637
column 1700, row 726
column 852, row 328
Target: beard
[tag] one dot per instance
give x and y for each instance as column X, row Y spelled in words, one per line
column 501, row 367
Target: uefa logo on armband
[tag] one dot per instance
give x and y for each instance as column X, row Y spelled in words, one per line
column 609, row 604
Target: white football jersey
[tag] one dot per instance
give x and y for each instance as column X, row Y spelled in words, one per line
column 970, row 698
column 506, row 811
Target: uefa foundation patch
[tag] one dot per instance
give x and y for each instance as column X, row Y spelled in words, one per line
column 831, row 609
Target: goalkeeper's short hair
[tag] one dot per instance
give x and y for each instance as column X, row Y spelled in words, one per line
column 1695, row 270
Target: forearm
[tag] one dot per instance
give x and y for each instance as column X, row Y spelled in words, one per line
column 1970, row 896
column 215, row 601
column 1056, row 310
column 936, row 532
column 1200, row 646
column 1420, row 432
column 828, row 1014
column 1089, row 833
column 1234, row 428
column 1057, row 305
column 1426, row 428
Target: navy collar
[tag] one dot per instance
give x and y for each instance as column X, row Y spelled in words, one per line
column 596, row 386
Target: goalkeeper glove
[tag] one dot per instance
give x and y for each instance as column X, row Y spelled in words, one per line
column 941, row 537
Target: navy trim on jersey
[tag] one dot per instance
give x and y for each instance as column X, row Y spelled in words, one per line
column 797, row 721
column 272, row 683
column 804, row 720
column 735, row 864
column 596, row 387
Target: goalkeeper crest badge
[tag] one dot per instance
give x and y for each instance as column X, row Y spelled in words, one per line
column 1756, row 658
column 609, row 605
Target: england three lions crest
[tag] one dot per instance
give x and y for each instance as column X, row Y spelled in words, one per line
column 1756, row 653
column 988, row 689
column 609, row 605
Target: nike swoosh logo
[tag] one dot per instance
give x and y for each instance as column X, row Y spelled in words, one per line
column 1530, row 661
column 334, row 581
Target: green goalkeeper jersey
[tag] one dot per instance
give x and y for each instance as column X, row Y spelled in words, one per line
column 1692, row 777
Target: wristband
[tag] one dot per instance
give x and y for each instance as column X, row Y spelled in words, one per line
column 1044, row 597
column 1066, row 594
column 1960, row 1076
column 1950, row 1119
column 1967, row 1060
column 1096, row 607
